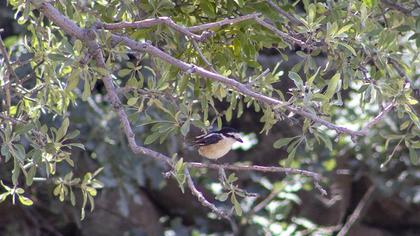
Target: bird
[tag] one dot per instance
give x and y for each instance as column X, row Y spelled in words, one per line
column 216, row 144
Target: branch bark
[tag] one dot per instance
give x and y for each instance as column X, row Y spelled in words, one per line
column 282, row 12
column 358, row 212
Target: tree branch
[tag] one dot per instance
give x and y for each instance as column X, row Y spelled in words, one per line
column 357, row 213
column 9, row 71
column 199, row 28
column 273, row 169
column 282, row 12
column 70, row 28
column 378, row 117
column 152, row 22
column 396, row 6
column 231, row 83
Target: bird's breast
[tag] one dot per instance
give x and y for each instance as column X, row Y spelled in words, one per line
column 217, row 150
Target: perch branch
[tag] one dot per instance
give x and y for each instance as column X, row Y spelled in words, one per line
column 273, row 169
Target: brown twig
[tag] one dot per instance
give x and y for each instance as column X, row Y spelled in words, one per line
column 282, row 12
column 264, row 202
column 378, row 117
column 152, row 22
column 289, row 39
column 200, row 53
column 199, row 28
column 273, row 169
column 396, row 6
column 358, row 212
column 8, row 73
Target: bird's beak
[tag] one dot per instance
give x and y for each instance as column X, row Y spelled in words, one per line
column 239, row 140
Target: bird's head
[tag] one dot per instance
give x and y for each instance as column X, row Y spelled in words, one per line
column 230, row 133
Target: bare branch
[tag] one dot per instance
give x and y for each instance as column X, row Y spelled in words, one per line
column 199, row 28
column 290, row 39
column 396, row 6
column 357, row 213
column 152, row 22
column 264, row 202
column 9, row 71
column 273, row 169
column 238, row 167
column 291, row 18
column 200, row 53
column 378, row 117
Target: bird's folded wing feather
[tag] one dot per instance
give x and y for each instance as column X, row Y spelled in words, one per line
column 207, row 139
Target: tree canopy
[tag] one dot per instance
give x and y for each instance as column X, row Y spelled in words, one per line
column 100, row 99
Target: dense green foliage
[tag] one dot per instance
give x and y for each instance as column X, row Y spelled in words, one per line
column 341, row 61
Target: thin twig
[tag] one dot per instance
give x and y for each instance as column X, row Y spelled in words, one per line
column 283, row 35
column 291, row 18
column 204, row 202
column 264, row 202
column 358, row 212
column 396, row 6
column 199, row 28
column 200, row 53
column 152, row 22
column 262, row 75
column 273, row 169
column 378, row 117
column 8, row 73
column 238, row 167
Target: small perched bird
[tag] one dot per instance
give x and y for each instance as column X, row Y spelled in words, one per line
column 216, row 144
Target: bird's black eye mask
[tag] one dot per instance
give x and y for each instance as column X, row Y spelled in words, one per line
column 229, row 135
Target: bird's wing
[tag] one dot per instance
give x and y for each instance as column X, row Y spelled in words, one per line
column 207, row 139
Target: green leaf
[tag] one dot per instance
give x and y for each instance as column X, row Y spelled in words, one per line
column 291, row 156
column 405, row 125
column 296, row 79
column 332, row 86
column 348, row 47
column 15, row 172
column 151, row 138
column 222, row 197
column 415, row 145
column 236, row 204
column 124, row 72
column 344, row 29
column 132, row 101
column 3, row 196
column 30, row 175
column 185, row 128
column 73, row 80
column 79, row 145
column 232, row 178
column 326, row 140
column 72, row 198
column 413, row 156
column 73, row 134
column 25, row 201
column 61, row 132
column 23, row 128
column 19, row 152
column 282, row 142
